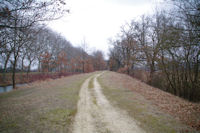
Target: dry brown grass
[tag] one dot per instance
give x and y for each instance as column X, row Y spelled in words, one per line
column 141, row 75
column 148, row 105
column 47, row 106
column 22, row 77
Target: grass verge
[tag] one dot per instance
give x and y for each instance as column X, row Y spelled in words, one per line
column 48, row 106
column 91, row 88
column 147, row 115
column 91, row 83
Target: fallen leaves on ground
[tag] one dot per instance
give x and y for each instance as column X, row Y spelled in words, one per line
column 185, row 111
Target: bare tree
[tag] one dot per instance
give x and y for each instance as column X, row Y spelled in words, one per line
column 18, row 16
column 98, row 61
column 167, row 44
column 84, row 55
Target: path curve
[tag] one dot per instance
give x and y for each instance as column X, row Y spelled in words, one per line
column 96, row 115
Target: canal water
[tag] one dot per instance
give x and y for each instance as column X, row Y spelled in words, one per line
column 8, row 88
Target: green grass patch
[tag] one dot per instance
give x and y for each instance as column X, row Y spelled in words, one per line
column 16, row 93
column 6, row 125
column 59, row 116
column 94, row 101
column 157, row 122
column 91, row 83
column 91, row 88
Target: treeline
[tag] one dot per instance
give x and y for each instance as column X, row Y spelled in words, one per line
column 165, row 46
column 56, row 54
column 25, row 42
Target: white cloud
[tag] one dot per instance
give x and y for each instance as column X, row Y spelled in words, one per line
column 98, row 20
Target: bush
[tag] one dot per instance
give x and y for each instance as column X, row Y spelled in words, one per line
column 123, row 70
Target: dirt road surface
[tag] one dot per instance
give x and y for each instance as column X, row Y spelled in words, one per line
column 96, row 115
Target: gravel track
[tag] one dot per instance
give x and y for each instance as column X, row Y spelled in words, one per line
column 96, row 115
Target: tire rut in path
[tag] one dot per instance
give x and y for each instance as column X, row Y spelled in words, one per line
column 100, row 116
column 83, row 120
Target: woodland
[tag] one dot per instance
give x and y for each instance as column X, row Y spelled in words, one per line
column 162, row 49
column 27, row 44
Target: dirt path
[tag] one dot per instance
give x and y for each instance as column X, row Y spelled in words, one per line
column 96, row 115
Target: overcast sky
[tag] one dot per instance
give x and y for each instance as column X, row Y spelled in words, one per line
column 98, row 20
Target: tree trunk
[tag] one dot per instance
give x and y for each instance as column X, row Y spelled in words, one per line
column 5, row 67
column 15, row 56
column 152, row 70
column 83, row 66
column 13, row 73
column 151, row 77
column 29, row 68
column 4, row 71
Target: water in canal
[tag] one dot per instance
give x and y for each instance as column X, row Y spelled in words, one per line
column 8, row 88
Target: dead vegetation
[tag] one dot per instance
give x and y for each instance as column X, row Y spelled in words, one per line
column 156, row 110
column 23, row 77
